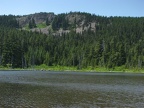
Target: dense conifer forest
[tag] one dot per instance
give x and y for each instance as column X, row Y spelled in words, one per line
column 115, row 41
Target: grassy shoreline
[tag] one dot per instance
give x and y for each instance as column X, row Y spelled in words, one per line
column 75, row 69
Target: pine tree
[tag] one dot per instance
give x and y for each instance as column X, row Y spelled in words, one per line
column 47, row 22
column 32, row 23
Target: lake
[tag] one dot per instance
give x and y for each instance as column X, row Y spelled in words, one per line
column 49, row 89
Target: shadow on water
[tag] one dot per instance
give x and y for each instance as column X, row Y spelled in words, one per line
column 74, row 90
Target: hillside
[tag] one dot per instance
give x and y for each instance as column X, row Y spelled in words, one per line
column 58, row 24
column 72, row 39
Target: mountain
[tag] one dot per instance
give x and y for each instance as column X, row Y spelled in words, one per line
column 74, row 39
column 61, row 23
column 38, row 17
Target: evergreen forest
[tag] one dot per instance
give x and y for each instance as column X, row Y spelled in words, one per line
column 115, row 42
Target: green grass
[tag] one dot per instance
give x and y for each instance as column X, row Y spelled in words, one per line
column 88, row 69
column 55, row 68
column 41, row 25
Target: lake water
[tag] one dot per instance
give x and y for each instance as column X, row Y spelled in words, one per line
column 41, row 89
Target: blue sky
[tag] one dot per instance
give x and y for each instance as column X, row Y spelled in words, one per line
column 134, row 8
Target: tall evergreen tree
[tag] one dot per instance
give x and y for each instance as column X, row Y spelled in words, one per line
column 32, row 23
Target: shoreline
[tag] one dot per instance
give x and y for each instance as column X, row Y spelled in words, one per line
column 74, row 69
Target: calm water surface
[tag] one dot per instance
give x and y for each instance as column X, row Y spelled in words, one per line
column 40, row 89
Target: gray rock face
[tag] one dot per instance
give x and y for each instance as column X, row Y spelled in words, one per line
column 72, row 18
column 38, row 17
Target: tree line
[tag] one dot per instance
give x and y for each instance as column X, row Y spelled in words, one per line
column 116, row 41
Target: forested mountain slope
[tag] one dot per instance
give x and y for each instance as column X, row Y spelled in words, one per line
column 72, row 39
